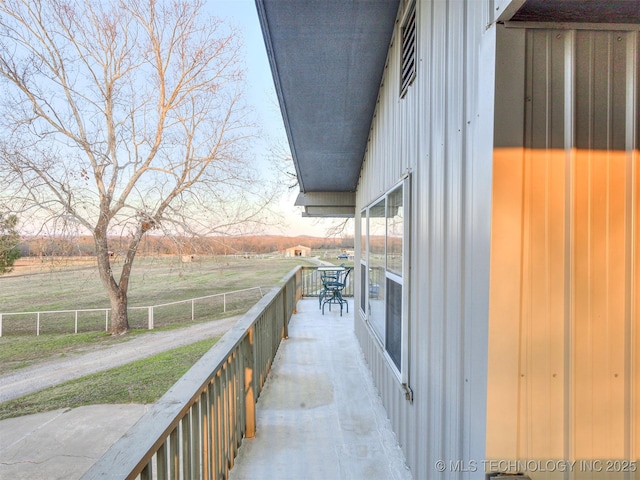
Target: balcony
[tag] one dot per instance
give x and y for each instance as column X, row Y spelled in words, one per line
column 317, row 414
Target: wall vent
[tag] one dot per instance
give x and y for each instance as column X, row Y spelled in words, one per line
column 409, row 57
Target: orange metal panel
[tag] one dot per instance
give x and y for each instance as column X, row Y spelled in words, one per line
column 564, row 339
column 599, row 295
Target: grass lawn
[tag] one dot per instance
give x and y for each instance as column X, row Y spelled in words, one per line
column 142, row 381
column 155, row 280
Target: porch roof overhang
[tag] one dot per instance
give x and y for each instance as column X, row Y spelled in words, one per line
column 327, row 58
column 327, row 204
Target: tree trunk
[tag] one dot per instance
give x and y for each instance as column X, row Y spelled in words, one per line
column 119, row 323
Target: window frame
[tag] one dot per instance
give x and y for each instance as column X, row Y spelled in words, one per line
column 364, row 261
column 402, row 280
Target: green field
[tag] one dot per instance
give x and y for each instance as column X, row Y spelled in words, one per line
column 155, row 281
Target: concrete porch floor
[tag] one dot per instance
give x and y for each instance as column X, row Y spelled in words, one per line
column 319, row 415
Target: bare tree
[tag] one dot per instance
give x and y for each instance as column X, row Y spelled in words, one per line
column 283, row 163
column 121, row 117
column 342, row 228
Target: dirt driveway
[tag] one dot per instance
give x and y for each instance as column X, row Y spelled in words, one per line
column 37, row 377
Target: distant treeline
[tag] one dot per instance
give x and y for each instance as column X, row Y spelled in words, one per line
column 155, row 245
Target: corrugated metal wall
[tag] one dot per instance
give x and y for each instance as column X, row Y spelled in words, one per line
column 564, row 358
column 442, row 133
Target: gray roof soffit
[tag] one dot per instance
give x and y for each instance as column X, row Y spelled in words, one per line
column 326, row 212
column 327, row 58
column 327, row 204
column 326, row 199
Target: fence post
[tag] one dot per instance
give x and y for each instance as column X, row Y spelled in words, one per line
column 150, row 318
column 193, row 310
column 106, row 320
column 76, row 329
column 38, row 324
column 0, row 324
column 224, row 303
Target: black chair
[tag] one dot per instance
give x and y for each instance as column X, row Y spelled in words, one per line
column 327, row 276
column 333, row 288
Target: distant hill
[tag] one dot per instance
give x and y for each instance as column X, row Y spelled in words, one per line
column 157, row 245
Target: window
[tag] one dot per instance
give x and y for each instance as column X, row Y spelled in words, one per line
column 409, row 57
column 364, row 232
column 383, row 296
column 393, row 335
column 377, row 255
column 395, row 239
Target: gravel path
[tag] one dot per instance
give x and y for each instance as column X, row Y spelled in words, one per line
column 37, row 377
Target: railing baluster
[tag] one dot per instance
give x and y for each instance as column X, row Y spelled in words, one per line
column 174, row 456
column 186, row 445
column 249, row 384
column 162, row 462
column 233, row 416
column 215, row 426
column 282, row 317
column 224, row 421
column 147, row 471
column 195, row 443
column 205, row 432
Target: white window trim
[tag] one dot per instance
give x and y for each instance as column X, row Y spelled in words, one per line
column 402, row 375
column 364, row 263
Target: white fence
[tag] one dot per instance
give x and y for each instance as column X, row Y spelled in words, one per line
column 63, row 321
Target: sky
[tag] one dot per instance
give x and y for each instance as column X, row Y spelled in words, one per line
column 262, row 97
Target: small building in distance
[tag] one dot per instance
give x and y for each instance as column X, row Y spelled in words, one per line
column 299, row 251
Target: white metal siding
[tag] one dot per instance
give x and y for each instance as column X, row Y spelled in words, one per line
column 441, row 132
column 564, row 361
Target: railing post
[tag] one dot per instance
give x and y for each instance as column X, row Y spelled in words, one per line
column 150, row 318
column 249, row 390
column 285, row 320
